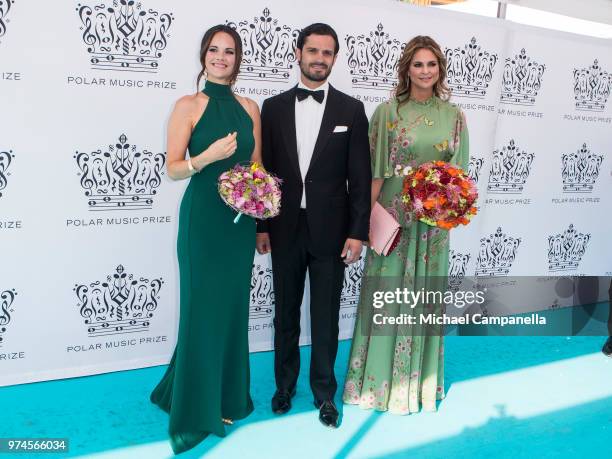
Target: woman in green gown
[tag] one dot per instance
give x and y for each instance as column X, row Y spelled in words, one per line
column 207, row 382
column 401, row 367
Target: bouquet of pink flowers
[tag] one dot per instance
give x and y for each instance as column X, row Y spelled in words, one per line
column 440, row 194
column 249, row 189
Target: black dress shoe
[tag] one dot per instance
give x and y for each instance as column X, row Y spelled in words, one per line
column 328, row 413
column 607, row 347
column 281, row 401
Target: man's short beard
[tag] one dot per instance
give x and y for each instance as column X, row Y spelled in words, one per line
column 314, row 77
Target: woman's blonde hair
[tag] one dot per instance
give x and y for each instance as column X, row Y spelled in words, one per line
column 402, row 91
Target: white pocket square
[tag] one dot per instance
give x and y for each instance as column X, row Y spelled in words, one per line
column 340, row 129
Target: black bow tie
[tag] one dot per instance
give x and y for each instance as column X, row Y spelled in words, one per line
column 302, row 94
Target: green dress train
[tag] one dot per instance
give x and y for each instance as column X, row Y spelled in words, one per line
column 208, row 376
column 401, row 367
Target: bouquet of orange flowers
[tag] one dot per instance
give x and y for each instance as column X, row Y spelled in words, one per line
column 249, row 189
column 440, row 194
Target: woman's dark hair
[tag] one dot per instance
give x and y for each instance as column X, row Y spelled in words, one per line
column 208, row 36
column 317, row 29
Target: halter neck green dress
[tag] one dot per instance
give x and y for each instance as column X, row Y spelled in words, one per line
column 208, row 376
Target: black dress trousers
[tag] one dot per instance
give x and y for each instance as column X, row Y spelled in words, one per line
column 326, row 274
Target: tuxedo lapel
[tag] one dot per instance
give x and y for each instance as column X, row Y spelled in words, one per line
column 327, row 125
column 289, row 131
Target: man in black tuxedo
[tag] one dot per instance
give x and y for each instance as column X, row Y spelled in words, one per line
column 315, row 138
column 607, row 347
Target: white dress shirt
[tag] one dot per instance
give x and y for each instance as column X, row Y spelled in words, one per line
column 308, row 117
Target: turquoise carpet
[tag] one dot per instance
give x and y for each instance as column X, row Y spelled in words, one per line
column 508, row 397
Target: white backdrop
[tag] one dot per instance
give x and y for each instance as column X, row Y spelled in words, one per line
column 88, row 218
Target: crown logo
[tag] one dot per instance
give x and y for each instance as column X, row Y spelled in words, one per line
column 496, row 254
column 121, row 178
column 352, row 283
column 470, row 70
column 5, row 7
column 510, row 169
column 565, row 250
column 457, row 265
column 373, row 59
column 268, row 48
column 122, row 303
column 474, row 167
column 261, row 302
column 6, row 302
column 522, row 80
column 124, row 36
column 6, row 157
column 580, row 170
column 592, row 88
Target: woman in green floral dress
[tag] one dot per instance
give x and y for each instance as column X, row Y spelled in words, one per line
column 401, row 367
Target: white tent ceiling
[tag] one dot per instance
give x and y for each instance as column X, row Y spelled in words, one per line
column 592, row 10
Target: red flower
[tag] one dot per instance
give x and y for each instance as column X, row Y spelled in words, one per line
column 446, row 203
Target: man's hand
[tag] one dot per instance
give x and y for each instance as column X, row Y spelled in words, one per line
column 262, row 243
column 351, row 251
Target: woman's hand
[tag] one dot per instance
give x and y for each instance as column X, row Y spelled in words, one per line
column 220, row 149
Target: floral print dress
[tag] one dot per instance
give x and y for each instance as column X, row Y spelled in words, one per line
column 401, row 367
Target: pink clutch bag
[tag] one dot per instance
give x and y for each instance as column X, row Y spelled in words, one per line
column 385, row 231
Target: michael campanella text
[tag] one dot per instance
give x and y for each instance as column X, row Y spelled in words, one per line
column 443, row 319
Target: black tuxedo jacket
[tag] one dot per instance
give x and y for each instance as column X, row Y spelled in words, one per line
column 338, row 181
